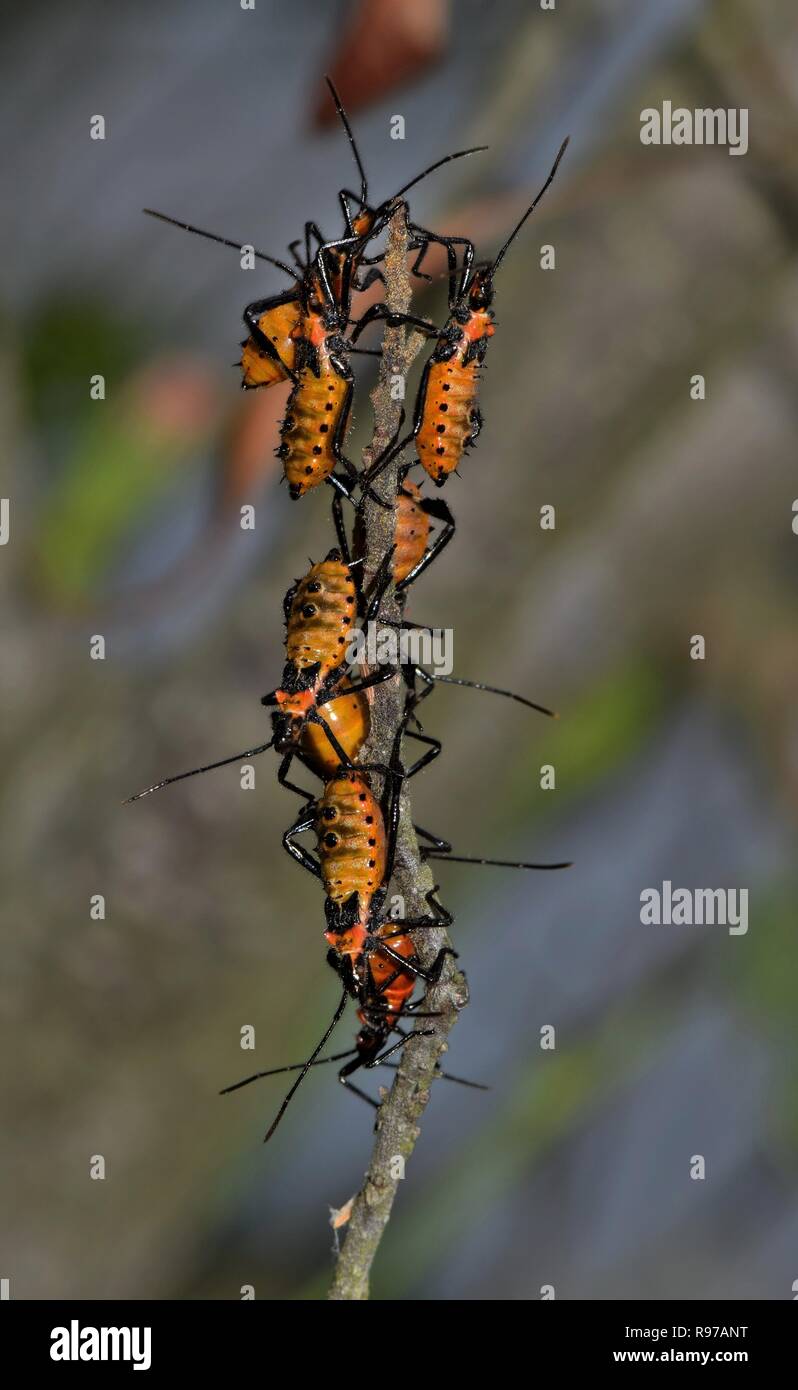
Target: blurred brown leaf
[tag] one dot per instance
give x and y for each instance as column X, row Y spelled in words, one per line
column 385, row 46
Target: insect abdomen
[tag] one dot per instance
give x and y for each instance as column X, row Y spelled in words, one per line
column 348, row 717
column 450, row 421
column 258, row 367
column 321, row 615
column 412, row 531
column 315, row 418
column 398, row 991
column 352, row 841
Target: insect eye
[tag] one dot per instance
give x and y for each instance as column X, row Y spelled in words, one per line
column 330, row 840
column 314, row 586
column 309, row 610
column 330, row 813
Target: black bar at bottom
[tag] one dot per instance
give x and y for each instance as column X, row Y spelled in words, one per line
column 56, row 1338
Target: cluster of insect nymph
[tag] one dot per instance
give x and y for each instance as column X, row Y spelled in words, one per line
column 322, row 709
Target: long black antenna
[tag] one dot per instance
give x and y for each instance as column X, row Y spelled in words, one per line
column 532, row 206
column 195, row 771
column 223, row 240
column 495, row 690
column 446, row 1075
column 447, row 158
column 306, row 1068
column 295, row 1066
column 498, row 863
column 364, row 188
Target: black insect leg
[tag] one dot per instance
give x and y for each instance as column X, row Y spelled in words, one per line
column 393, row 320
column 340, row 752
column 344, row 1075
column 437, row 508
column 419, row 1033
column 282, row 777
column 392, row 797
column 252, row 315
column 435, row 844
column 442, row 917
column 385, row 673
column 376, row 590
column 415, row 698
column 434, row 749
column 371, row 278
column 313, row 230
column 456, row 287
column 340, row 529
column 343, row 485
column 379, row 465
column 305, row 821
column 430, row 976
column 324, row 278
column 294, row 254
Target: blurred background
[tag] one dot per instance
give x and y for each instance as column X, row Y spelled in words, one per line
column 673, row 518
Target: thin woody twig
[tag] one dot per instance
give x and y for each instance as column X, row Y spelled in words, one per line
column 397, row 1120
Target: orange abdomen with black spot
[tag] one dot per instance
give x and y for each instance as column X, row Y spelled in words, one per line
column 278, row 325
column 315, row 420
column 352, row 840
column 412, row 531
column 450, row 420
column 395, row 991
column 349, row 719
column 447, row 425
column 321, row 615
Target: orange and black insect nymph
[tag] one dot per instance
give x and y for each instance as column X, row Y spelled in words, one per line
column 447, row 420
column 383, row 992
column 356, row 835
column 317, row 415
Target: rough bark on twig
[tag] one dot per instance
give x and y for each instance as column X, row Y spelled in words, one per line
column 397, row 1120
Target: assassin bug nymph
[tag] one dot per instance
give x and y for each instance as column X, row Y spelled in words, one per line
column 357, row 836
column 356, row 847
column 383, row 995
column 447, row 420
column 414, row 514
column 383, row 998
